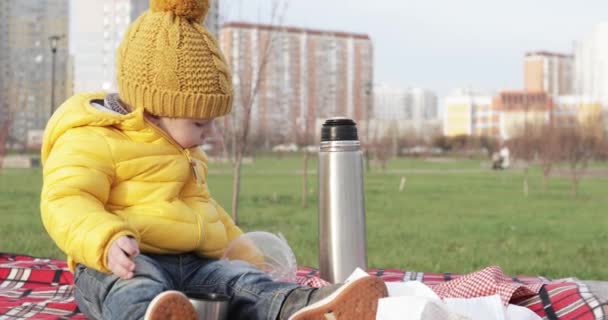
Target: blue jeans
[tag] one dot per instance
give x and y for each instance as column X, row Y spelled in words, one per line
column 253, row 294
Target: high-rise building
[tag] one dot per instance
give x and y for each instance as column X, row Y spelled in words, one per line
column 27, row 62
column 591, row 66
column 549, row 72
column 97, row 30
column 306, row 75
column 409, row 110
column 470, row 113
column 212, row 20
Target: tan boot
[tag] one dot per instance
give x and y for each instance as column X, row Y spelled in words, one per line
column 171, row 305
column 357, row 299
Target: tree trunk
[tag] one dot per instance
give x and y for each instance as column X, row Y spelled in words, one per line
column 546, row 171
column 574, row 178
column 574, row 185
column 225, row 156
column 233, row 134
column 250, row 79
column 236, row 187
column 305, row 181
column 4, row 133
column 526, row 185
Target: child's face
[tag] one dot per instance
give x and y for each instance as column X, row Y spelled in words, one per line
column 187, row 132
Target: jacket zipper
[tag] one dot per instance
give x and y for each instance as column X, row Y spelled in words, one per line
column 197, row 176
column 185, row 152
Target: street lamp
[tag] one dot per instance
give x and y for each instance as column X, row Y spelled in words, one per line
column 53, row 41
column 369, row 91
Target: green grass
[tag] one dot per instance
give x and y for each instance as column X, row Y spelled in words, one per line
column 453, row 216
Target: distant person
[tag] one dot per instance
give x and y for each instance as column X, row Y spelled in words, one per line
column 125, row 192
column 505, row 156
column 501, row 159
column 496, row 160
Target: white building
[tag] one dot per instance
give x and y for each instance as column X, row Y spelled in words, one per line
column 413, row 110
column 423, row 104
column 591, row 65
column 96, row 30
column 389, row 103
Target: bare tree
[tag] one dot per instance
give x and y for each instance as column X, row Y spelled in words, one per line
column 578, row 144
column 525, row 148
column 573, row 143
column 548, row 150
column 5, row 129
column 325, row 95
column 249, row 77
column 7, row 117
column 307, row 155
column 382, row 146
column 369, row 106
column 4, row 133
column 305, row 138
column 525, row 144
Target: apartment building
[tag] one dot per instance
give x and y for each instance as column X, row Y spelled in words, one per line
column 28, row 84
column 305, row 75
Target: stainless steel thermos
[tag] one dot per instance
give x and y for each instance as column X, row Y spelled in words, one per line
column 211, row 306
column 342, row 231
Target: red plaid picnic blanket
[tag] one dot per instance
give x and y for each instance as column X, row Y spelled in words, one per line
column 35, row 288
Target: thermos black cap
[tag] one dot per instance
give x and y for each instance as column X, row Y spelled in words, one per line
column 339, row 129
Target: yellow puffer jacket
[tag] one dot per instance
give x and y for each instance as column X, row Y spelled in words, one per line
column 107, row 175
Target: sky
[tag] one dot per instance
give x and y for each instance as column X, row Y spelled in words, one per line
column 443, row 45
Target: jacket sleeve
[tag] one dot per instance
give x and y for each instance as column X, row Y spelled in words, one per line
column 77, row 177
column 231, row 229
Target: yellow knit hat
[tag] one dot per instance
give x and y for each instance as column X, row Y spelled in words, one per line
column 169, row 64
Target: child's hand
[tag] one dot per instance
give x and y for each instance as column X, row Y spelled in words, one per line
column 122, row 250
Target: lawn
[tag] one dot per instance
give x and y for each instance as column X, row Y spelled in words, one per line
column 453, row 216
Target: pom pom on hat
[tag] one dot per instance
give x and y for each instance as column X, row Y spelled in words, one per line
column 192, row 10
column 171, row 66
